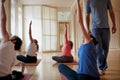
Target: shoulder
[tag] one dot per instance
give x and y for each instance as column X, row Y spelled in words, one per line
column 7, row 46
column 6, row 43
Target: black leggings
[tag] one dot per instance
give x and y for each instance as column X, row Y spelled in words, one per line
column 27, row 58
column 63, row 59
column 8, row 77
column 16, row 75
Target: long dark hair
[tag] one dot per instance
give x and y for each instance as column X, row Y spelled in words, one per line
column 71, row 44
column 36, row 42
column 18, row 43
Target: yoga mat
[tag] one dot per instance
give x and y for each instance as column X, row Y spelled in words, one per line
column 72, row 63
column 29, row 64
column 27, row 76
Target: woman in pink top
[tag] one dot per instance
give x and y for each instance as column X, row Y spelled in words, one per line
column 31, row 55
column 66, row 51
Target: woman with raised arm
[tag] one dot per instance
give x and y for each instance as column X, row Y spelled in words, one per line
column 66, row 50
column 31, row 55
column 7, row 49
column 87, row 64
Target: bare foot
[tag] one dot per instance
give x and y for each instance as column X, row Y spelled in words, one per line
column 102, row 72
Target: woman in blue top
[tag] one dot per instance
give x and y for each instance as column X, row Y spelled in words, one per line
column 87, row 65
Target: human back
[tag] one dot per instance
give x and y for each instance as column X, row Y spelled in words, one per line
column 87, row 60
column 32, row 49
column 7, row 48
column 7, row 57
column 66, row 49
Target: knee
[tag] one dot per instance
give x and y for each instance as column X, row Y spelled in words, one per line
column 54, row 57
column 18, row 56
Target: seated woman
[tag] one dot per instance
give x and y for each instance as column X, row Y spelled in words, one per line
column 66, row 51
column 7, row 50
column 31, row 56
column 87, row 63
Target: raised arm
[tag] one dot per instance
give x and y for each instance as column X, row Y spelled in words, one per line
column 80, row 19
column 30, row 32
column 87, row 16
column 65, row 34
column 88, row 23
column 3, row 23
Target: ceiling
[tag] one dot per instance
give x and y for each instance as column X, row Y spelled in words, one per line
column 53, row 3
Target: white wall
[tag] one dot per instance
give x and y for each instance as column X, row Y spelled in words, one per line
column 115, row 38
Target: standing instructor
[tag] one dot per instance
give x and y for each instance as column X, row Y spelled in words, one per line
column 100, row 28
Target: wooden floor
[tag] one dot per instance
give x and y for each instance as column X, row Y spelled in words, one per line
column 47, row 69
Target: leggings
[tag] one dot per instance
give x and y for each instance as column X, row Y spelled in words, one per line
column 27, row 59
column 63, row 59
column 8, row 77
column 72, row 75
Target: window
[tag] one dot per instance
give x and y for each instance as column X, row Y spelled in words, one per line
column 49, row 28
column 32, row 13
